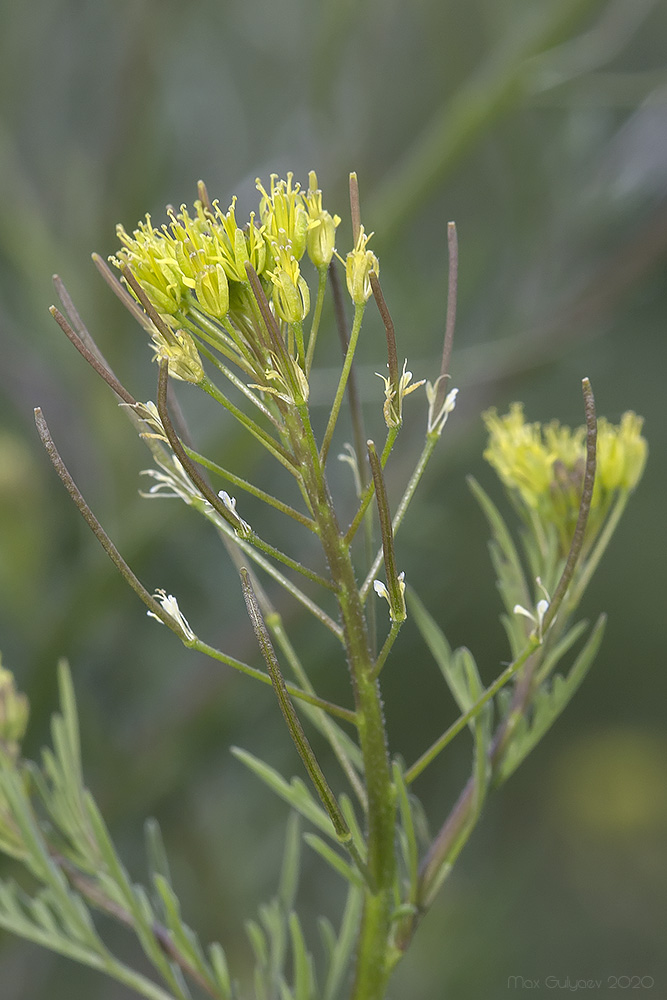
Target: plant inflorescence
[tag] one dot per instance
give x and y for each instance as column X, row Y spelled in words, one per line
column 228, row 309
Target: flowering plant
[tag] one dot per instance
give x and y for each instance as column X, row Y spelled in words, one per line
column 228, row 309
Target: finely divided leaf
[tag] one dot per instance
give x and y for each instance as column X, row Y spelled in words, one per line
column 510, row 577
column 549, row 703
column 333, row 858
column 294, row 792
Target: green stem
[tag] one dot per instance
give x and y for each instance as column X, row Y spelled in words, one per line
column 346, row 714
column 356, row 414
column 262, row 436
column 235, row 380
column 429, row 755
column 218, row 341
column 342, row 382
column 386, row 648
column 298, row 337
column 255, row 491
column 395, row 585
column 270, row 569
column 584, row 509
column 317, row 316
column 228, row 515
column 331, row 732
column 427, row 451
column 372, row 967
column 369, row 490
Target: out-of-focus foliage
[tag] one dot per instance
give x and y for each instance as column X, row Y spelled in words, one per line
column 541, row 129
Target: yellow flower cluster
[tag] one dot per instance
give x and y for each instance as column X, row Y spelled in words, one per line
column 544, row 465
column 196, row 266
column 203, row 252
column 198, row 253
column 622, row 453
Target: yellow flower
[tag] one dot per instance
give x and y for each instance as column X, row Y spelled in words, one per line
column 392, row 410
column 519, row 455
column 212, row 290
column 289, row 381
column 545, row 466
column 622, row 453
column 283, row 214
column 152, row 260
column 181, row 355
column 360, row 263
column 291, row 296
column 321, row 232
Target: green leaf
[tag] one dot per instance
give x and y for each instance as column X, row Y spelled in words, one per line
column 555, row 655
column 334, row 859
column 134, row 900
column 221, row 971
column 274, row 921
column 18, row 915
column 549, row 702
column 289, row 875
column 328, row 937
column 182, row 936
column 69, row 727
column 37, row 859
column 285, row 992
column 158, row 863
column 409, row 839
column 433, row 636
column 57, row 916
column 345, row 944
column 304, row 985
column 460, row 672
column 294, row 792
column 260, row 945
column 511, row 580
column 458, row 668
column 347, row 808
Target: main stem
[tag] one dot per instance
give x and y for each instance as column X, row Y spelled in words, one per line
column 372, row 970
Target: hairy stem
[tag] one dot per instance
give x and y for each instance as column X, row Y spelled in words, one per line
column 372, row 969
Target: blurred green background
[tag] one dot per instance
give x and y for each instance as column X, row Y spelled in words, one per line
column 540, row 126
